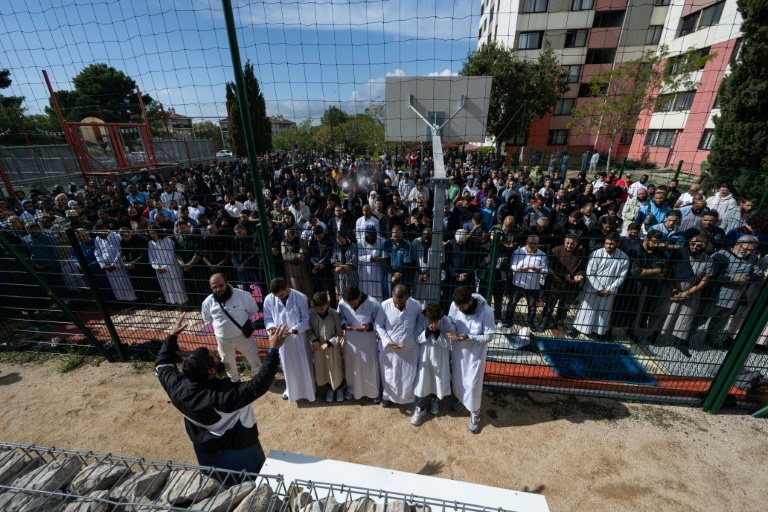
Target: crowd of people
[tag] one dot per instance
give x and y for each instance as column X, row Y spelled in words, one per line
column 648, row 258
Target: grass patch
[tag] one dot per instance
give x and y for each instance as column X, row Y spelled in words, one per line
column 139, row 366
column 22, row 358
column 69, row 362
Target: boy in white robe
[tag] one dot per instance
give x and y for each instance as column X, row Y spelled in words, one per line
column 434, row 377
column 285, row 306
column 475, row 328
column 358, row 314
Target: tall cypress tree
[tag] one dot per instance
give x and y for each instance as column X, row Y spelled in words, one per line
column 740, row 146
column 262, row 128
column 237, row 123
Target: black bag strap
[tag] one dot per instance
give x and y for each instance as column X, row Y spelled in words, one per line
column 221, row 305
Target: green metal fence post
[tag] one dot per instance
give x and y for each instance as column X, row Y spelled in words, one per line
column 495, row 240
column 245, row 115
column 737, row 356
column 621, row 171
column 677, row 172
column 762, row 200
column 70, row 232
column 762, row 413
column 55, row 296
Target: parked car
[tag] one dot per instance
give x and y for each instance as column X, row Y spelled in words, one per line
column 224, row 153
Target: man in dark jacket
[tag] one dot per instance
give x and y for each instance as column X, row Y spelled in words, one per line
column 217, row 413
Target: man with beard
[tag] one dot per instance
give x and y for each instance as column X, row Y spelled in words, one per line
column 691, row 214
column 461, row 254
column 647, row 270
column 285, row 306
column 654, row 213
column 734, row 270
column 339, row 223
column 134, row 252
column 228, row 309
column 396, row 256
column 218, row 414
column 606, row 271
column 737, row 217
column 634, row 204
column 690, row 271
column 320, row 250
column 573, row 224
column 707, row 226
column 567, row 264
column 370, row 273
column 108, row 255
column 363, row 223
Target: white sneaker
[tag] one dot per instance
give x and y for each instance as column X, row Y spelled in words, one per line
column 417, row 415
column 285, row 395
column 474, row 422
column 433, row 406
column 329, row 396
column 340, row 394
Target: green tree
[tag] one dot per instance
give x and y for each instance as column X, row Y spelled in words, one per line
column 740, row 146
column 209, row 130
column 333, row 115
column 260, row 125
column 305, row 135
column 100, row 85
column 538, row 83
column 618, row 95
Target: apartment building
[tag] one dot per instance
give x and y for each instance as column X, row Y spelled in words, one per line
column 589, row 35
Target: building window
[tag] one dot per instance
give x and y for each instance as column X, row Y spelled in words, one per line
column 682, row 63
column 530, row 40
column 684, row 100
column 626, row 137
column 706, row 139
column 600, row 56
column 564, row 106
column 585, row 90
column 582, row 5
column 576, row 38
column 535, row 5
column 557, row 137
column 490, row 17
column 735, row 52
column 653, row 35
column 604, row 19
column 711, row 15
column 664, row 103
column 574, row 73
column 717, row 101
column 660, row 138
column 688, row 24
column 662, row 2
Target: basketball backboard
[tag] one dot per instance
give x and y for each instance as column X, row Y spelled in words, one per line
column 437, row 99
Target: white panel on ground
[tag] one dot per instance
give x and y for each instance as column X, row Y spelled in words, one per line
column 301, row 467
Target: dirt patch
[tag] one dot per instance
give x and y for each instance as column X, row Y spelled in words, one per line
column 581, row 453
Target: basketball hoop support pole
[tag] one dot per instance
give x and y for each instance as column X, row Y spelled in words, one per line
column 440, row 180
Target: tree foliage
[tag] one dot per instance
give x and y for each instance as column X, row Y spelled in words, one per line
column 619, row 94
column 740, row 146
column 100, row 85
column 537, row 83
column 209, row 130
column 260, row 125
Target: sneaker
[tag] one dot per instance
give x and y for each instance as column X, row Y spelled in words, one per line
column 456, row 406
column 285, row 395
column 349, row 395
column 417, row 415
column 329, row 396
column 340, row 395
column 474, row 422
column 433, row 406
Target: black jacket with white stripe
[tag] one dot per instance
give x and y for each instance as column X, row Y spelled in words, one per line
column 217, row 414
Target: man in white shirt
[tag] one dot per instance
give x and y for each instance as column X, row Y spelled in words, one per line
column 195, row 210
column 299, row 210
column 227, row 301
column 365, row 222
column 528, row 265
column 171, row 195
column 233, row 206
column 643, row 183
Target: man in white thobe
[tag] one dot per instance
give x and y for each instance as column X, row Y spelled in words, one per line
column 227, row 301
column 370, row 275
column 358, row 314
column 366, row 222
column 108, row 257
column 285, row 306
column 606, row 271
column 475, row 328
column 399, row 356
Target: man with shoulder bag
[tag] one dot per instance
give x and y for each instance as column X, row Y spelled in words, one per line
column 229, row 309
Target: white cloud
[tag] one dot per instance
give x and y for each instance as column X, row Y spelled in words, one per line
column 445, row 72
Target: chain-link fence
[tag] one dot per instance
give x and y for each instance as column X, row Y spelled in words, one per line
column 577, row 309
column 39, row 167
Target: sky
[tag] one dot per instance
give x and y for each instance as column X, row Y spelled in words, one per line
column 307, row 54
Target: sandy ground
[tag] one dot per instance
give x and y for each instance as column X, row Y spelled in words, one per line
column 581, row 453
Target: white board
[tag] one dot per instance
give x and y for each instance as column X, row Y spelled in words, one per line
column 301, row 467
